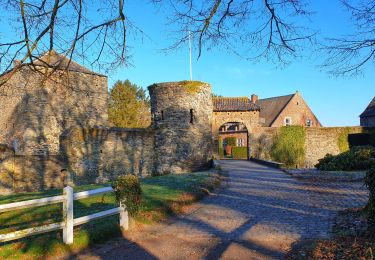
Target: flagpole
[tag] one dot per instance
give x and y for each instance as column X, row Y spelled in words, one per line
column 191, row 67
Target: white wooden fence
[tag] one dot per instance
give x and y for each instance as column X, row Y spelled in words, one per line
column 69, row 222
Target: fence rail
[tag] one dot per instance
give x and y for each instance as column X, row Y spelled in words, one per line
column 69, row 222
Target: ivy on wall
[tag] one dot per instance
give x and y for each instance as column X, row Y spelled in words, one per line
column 342, row 140
column 289, row 146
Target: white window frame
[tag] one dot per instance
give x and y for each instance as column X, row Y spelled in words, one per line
column 290, row 121
column 239, row 142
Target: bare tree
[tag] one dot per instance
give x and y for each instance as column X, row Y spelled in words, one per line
column 265, row 28
column 94, row 31
column 350, row 54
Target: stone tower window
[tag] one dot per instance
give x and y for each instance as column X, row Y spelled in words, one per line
column 162, row 115
column 191, row 116
column 308, row 122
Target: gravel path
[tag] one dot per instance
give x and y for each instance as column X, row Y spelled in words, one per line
column 257, row 214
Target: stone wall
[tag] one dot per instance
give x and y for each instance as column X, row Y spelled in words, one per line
column 35, row 110
column 319, row 141
column 19, row 173
column 323, row 140
column 100, row 154
column 181, row 116
column 89, row 155
column 249, row 118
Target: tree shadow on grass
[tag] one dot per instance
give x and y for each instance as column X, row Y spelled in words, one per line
column 51, row 244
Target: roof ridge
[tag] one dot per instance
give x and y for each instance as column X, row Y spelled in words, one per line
column 278, row 96
column 244, row 97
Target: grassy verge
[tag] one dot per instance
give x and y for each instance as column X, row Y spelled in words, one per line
column 352, row 239
column 162, row 196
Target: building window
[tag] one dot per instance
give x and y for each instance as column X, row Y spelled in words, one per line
column 162, row 115
column 308, row 122
column 191, row 116
column 240, row 142
column 288, row 121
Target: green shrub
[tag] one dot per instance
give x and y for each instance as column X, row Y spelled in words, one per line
column 231, row 141
column 239, row 152
column 221, row 153
column 128, row 192
column 370, row 207
column 289, row 146
column 357, row 158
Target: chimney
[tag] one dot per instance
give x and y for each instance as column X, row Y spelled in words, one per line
column 254, row 98
column 16, row 63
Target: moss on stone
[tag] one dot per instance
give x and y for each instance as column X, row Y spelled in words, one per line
column 191, row 87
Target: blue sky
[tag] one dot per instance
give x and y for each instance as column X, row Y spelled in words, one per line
column 335, row 101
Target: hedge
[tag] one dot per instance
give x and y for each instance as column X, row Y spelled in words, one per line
column 239, row 152
column 361, row 139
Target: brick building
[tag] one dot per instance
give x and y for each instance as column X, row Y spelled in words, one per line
column 240, row 116
column 367, row 118
column 286, row 110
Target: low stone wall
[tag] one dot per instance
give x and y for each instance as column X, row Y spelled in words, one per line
column 99, row 155
column 319, row 141
column 323, row 140
column 30, row 173
column 316, row 175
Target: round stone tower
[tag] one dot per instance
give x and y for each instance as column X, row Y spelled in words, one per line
column 181, row 116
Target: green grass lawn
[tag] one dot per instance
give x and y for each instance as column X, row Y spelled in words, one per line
column 162, row 196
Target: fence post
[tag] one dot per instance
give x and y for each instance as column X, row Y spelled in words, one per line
column 68, row 215
column 124, row 218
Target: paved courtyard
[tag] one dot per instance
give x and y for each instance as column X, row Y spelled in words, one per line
column 257, row 214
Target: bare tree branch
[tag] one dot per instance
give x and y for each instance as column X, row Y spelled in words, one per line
column 262, row 28
column 43, row 25
column 351, row 54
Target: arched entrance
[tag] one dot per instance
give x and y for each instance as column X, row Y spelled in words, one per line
column 233, row 138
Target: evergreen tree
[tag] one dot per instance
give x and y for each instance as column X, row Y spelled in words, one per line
column 129, row 106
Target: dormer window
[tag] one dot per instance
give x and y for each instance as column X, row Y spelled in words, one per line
column 287, row 121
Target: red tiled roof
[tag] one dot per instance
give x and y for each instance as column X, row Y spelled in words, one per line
column 223, row 104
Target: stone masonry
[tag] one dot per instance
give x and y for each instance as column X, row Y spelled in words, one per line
column 181, row 116
column 36, row 110
column 54, row 128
